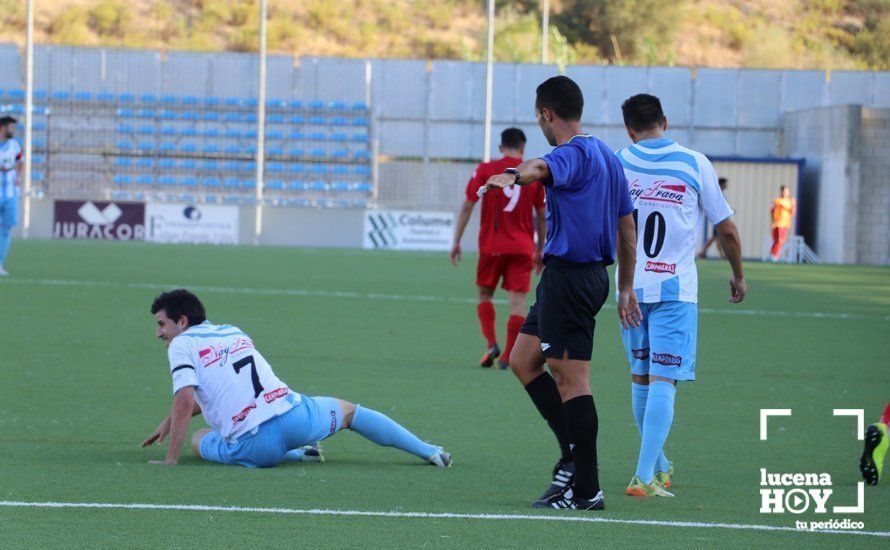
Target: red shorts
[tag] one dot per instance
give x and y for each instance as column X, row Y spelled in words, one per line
column 515, row 269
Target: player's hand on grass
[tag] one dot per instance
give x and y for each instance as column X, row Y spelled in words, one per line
column 738, row 287
column 500, row 181
column 159, row 434
column 455, row 254
column 539, row 262
column 629, row 310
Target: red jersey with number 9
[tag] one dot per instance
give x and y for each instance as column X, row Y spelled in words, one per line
column 508, row 225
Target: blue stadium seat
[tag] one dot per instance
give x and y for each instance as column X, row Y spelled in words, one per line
column 341, row 138
column 295, row 104
column 275, row 118
column 126, row 98
column 122, row 179
column 191, row 100
column 83, row 96
column 210, row 149
column 319, row 169
column 168, row 146
column 146, row 130
column 125, row 129
column 232, row 117
column 40, row 95
column 318, row 186
column 145, row 113
column 232, row 101
column 169, row 100
column 250, row 117
column 233, row 133
column 319, row 120
column 146, row 146
column 318, row 136
column 251, row 102
column 316, row 104
column 297, row 136
column 17, row 95
column 232, row 165
column 361, row 170
column 276, row 103
column 363, row 187
column 105, row 97
column 250, row 165
column 337, row 105
column 145, row 162
column 166, row 163
column 275, row 150
column 166, row 114
column 168, row 131
column 297, row 119
column 188, row 147
column 298, row 168
column 145, row 179
column 210, row 165
column 188, row 164
column 339, row 121
column 190, row 115
column 211, row 101
column 249, row 134
column 59, row 96
column 148, row 98
column 210, row 132
column 250, row 149
column 359, row 121
column 167, row 180
column 38, row 143
column 37, row 176
column 232, row 182
column 125, row 113
column 340, row 169
column 274, row 134
column 211, row 116
column 211, row 182
column 339, row 186
column 276, row 185
column 188, row 132
column 340, row 154
column 360, row 138
column 38, row 126
column 359, row 106
column 361, row 155
column 122, row 144
column 299, row 185
column 319, row 153
column 296, row 152
column 189, row 181
column 233, row 150
column 123, row 161
column 275, row 167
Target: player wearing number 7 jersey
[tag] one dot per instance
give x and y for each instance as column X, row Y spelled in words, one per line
column 255, row 419
column 671, row 186
column 507, row 248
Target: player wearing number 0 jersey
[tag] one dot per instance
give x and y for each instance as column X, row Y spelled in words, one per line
column 507, row 248
column 671, row 186
column 255, row 419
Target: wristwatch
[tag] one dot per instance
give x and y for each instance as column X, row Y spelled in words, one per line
column 515, row 173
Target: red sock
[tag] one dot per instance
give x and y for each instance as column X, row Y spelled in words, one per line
column 485, row 311
column 514, row 323
column 885, row 418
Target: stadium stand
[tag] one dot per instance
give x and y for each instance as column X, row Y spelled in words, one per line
column 129, row 146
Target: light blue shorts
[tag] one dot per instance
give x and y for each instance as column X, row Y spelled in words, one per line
column 314, row 419
column 664, row 343
column 9, row 211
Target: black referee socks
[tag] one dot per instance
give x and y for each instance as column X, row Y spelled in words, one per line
column 583, row 424
column 545, row 396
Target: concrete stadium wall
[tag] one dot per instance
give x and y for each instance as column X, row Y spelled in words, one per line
column 845, row 202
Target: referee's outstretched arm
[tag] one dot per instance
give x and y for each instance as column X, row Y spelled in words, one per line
column 529, row 171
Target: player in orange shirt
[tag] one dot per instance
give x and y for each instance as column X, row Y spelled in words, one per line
column 783, row 210
column 507, row 249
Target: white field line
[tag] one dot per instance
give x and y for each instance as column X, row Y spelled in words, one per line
column 425, row 515
column 399, row 297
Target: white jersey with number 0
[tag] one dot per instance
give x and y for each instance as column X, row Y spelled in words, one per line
column 671, row 186
column 234, row 385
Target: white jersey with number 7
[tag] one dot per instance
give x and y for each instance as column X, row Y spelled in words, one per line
column 670, row 186
column 234, row 385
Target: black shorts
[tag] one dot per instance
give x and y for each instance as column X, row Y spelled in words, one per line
column 568, row 297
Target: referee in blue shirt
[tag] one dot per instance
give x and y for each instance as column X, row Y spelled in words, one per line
column 589, row 215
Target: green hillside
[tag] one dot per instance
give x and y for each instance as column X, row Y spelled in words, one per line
column 824, row 34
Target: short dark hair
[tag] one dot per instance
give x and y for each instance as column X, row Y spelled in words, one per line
column 723, row 182
column 513, row 138
column 642, row 112
column 561, row 95
column 179, row 302
column 4, row 120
